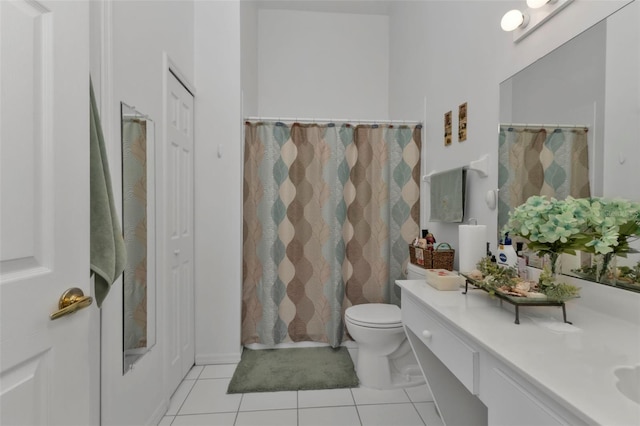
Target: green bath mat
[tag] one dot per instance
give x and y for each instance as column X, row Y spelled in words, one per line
column 272, row 370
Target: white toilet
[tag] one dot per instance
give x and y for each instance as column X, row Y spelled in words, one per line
column 385, row 359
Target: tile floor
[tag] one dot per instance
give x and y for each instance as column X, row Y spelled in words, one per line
column 201, row 399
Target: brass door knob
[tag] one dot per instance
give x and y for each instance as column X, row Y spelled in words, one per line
column 72, row 300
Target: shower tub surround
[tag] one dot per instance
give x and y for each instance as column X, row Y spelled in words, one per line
column 542, row 370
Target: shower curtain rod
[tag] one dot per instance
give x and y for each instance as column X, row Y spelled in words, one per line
column 571, row 126
column 332, row 120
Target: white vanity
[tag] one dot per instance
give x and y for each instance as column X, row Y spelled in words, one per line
column 484, row 369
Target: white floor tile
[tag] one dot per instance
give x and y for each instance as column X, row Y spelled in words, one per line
column 194, row 372
column 178, row 397
column 375, row 396
column 427, row 411
column 210, row 396
column 389, row 414
column 202, row 399
column 217, row 419
column 419, row 393
column 166, row 421
column 269, row 401
column 324, row 398
column 328, row 416
column 267, row 418
column 218, row 371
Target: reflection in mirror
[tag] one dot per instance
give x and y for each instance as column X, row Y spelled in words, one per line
column 541, row 160
column 591, row 82
column 138, row 217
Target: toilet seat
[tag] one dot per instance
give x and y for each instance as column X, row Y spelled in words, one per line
column 374, row 315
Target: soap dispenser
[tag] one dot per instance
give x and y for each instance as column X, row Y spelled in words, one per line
column 507, row 256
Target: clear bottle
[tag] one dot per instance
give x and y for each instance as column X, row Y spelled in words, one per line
column 523, row 272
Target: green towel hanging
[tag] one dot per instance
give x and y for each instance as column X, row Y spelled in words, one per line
column 447, row 196
column 108, row 253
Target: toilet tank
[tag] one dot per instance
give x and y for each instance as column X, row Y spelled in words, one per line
column 415, row 272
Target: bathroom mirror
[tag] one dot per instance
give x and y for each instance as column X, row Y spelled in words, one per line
column 138, row 219
column 593, row 82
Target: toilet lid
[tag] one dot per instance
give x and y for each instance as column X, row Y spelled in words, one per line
column 378, row 315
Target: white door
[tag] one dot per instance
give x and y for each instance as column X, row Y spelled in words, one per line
column 179, row 230
column 47, row 367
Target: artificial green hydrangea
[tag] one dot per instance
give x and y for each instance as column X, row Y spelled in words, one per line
column 593, row 224
column 612, row 225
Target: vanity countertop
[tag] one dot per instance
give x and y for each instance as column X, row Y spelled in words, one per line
column 573, row 364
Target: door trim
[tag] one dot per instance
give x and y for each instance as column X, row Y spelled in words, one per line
column 170, row 66
column 101, row 15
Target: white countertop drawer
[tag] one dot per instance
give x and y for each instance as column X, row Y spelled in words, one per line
column 460, row 358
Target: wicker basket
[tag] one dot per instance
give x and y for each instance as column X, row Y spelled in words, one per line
column 443, row 256
column 421, row 257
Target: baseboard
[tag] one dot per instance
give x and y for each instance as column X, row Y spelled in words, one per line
column 228, row 358
column 158, row 413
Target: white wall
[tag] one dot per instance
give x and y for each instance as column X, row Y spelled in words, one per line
column 218, row 180
column 221, row 64
column 130, row 70
column 249, row 56
column 622, row 115
column 322, row 65
column 463, row 56
column 450, row 54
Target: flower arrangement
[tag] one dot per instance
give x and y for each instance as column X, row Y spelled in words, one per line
column 612, row 225
column 551, row 227
column 594, row 225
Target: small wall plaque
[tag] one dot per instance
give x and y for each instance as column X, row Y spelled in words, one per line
column 447, row 128
column 462, row 122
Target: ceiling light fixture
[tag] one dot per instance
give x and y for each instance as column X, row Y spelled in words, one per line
column 524, row 23
column 514, row 19
column 535, row 4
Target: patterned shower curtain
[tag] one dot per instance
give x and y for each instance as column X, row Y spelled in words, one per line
column 328, row 213
column 541, row 161
column 134, row 215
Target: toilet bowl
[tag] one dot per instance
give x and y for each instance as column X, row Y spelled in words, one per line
column 385, row 359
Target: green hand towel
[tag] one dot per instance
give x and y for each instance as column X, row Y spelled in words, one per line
column 447, row 196
column 108, row 254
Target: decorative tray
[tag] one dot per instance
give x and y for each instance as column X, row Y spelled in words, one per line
column 515, row 300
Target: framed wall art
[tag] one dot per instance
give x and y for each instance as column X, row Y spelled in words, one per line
column 447, row 128
column 462, row 122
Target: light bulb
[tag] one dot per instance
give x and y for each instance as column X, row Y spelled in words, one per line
column 535, row 4
column 512, row 20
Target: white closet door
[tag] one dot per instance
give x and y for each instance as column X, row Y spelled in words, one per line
column 179, row 230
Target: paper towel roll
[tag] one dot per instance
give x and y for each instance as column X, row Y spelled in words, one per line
column 472, row 243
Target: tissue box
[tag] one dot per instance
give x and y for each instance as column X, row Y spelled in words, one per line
column 443, row 279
